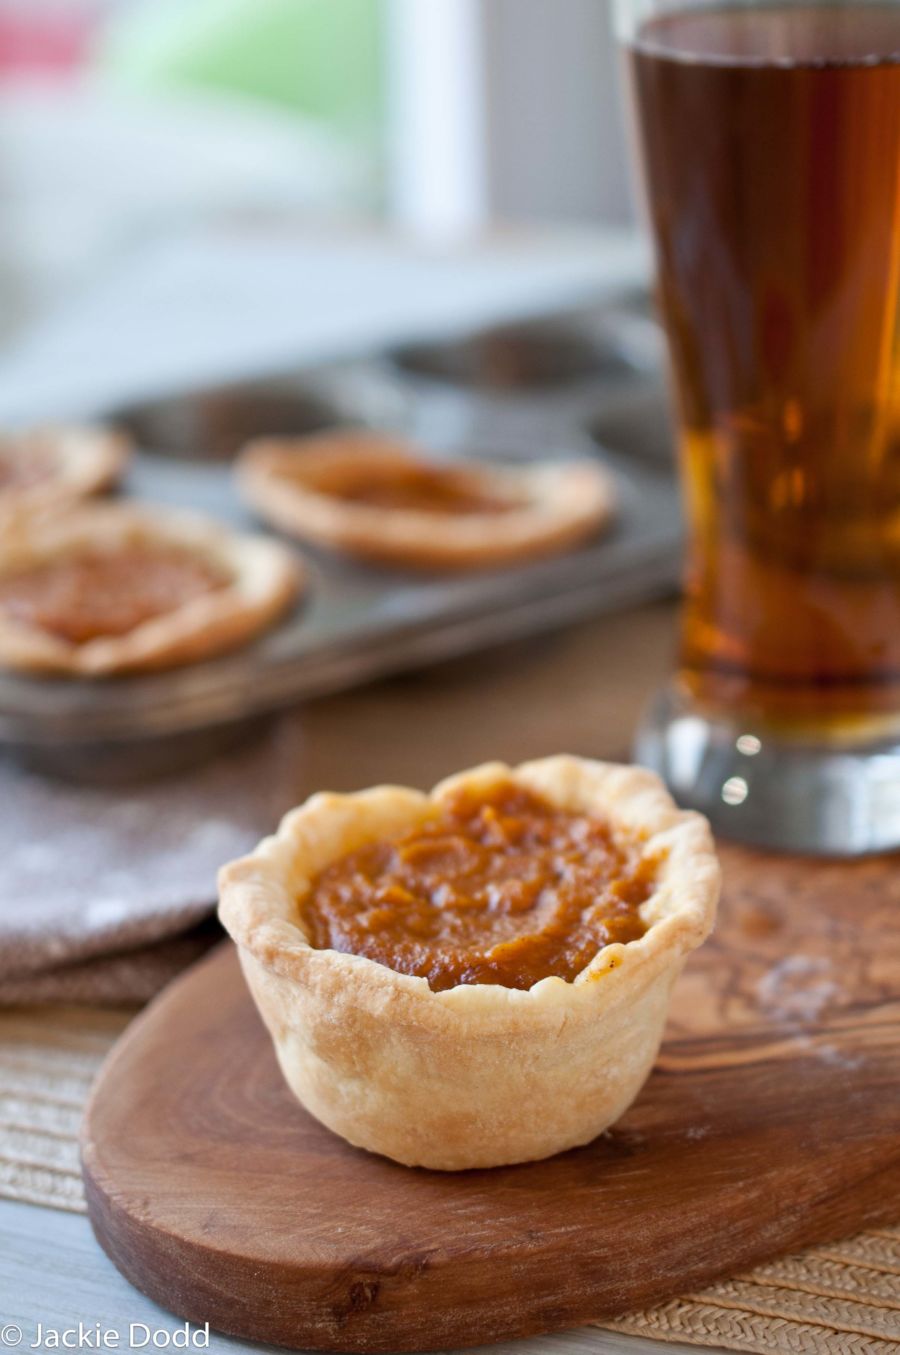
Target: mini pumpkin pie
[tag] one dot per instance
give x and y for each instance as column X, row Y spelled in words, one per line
column 481, row 975
column 113, row 588
column 43, row 468
column 381, row 499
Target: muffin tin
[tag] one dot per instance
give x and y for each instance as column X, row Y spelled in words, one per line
column 212, row 425
column 544, row 356
column 358, row 622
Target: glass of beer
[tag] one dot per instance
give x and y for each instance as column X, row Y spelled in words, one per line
column 769, row 135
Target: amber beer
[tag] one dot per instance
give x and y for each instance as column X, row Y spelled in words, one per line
column 771, row 145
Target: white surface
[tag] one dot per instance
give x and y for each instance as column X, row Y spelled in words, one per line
column 53, row 1272
column 114, row 165
column 217, row 304
column 437, row 134
column 556, row 112
column 505, row 110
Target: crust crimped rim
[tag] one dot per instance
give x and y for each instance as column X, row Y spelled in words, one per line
column 287, row 481
column 259, row 892
column 85, row 461
column 265, row 577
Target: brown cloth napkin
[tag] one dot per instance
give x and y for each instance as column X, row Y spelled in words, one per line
column 103, row 890
column 132, row 976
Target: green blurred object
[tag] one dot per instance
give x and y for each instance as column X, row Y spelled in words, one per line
column 321, row 58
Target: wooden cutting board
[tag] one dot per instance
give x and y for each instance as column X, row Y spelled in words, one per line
column 771, row 1121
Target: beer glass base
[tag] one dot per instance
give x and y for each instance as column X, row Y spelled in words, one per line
column 841, row 800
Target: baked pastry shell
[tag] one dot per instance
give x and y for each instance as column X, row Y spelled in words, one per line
column 264, row 578
column 478, row 1075
column 294, row 484
column 85, row 461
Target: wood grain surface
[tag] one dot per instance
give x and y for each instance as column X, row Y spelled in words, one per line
column 771, row 1121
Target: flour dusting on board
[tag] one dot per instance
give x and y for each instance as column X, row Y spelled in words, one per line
column 795, row 993
column 798, row 989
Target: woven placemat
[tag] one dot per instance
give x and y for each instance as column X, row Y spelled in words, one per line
column 842, row 1299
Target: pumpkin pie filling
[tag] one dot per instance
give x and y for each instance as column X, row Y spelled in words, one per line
column 98, row 593
column 421, row 489
column 498, row 888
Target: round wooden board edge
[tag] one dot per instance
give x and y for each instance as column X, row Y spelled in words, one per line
column 123, row 1234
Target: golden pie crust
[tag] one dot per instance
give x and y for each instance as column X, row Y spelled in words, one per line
column 301, row 486
column 48, row 468
column 259, row 580
column 477, row 1075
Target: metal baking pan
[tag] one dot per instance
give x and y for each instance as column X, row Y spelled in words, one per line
column 212, row 425
column 357, row 622
column 637, row 422
column 535, row 379
column 541, row 357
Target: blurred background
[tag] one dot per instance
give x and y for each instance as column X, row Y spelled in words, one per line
column 128, row 124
